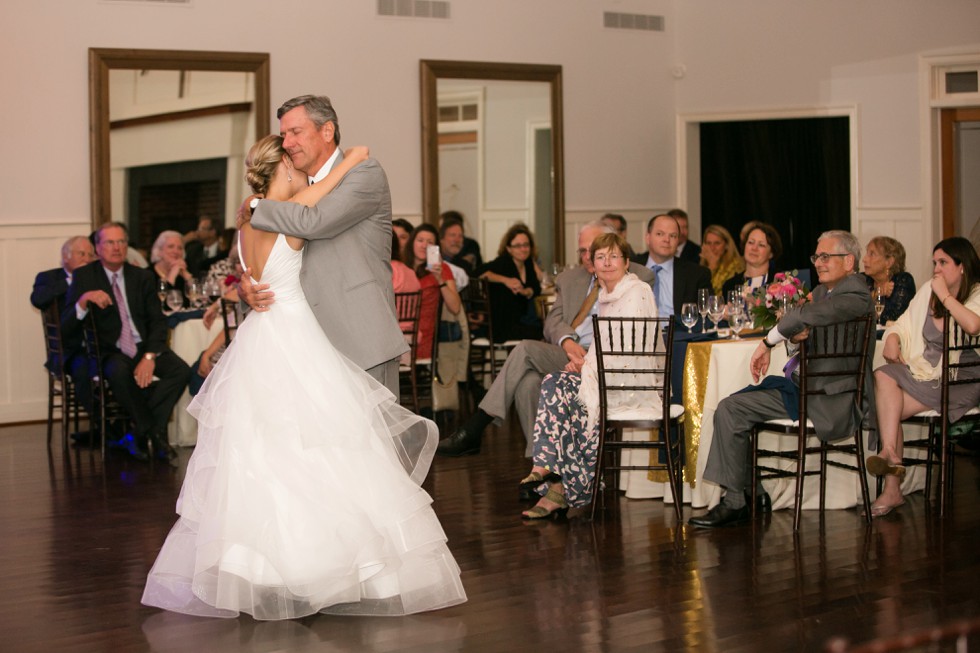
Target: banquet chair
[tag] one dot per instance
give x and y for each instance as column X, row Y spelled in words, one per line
column 231, row 316
column 937, row 443
column 61, row 390
column 543, row 304
column 408, row 305
column 418, row 375
column 485, row 359
column 105, row 407
column 635, row 355
column 832, row 354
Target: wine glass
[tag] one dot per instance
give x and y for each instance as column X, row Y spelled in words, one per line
column 736, row 300
column 879, row 303
column 162, row 291
column 689, row 315
column 194, row 293
column 737, row 322
column 703, row 294
column 175, row 300
column 211, row 289
column 716, row 310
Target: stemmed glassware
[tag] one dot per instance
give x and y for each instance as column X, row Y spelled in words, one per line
column 211, row 289
column 194, row 293
column 716, row 310
column 737, row 321
column 175, row 300
column 879, row 303
column 689, row 315
column 703, row 294
column 162, row 292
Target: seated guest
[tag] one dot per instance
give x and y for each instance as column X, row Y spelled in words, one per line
column 568, row 334
column 884, row 270
column 913, row 347
column 566, row 430
column 719, row 255
column 403, row 278
column 743, row 233
column 841, row 296
column 471, row 249
column 687, row 250
column 226, row 272
column 677, row 281
column 167, row 257
column 451, row 244
column 514, row 283
column 433, row 280
column 51, row 286
column 618, row 224
column 762, row 248
column 146, row 377
column 402, row 228
column 203, row 246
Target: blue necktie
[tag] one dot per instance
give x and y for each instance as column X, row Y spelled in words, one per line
column 656, row 281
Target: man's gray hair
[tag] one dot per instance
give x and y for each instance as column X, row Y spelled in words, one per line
column 597, row 224
column 318, row 108
column 847, row 243
column 66, row 248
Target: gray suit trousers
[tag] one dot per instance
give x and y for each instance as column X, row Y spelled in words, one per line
column 730, row 458
column 519, row 383
column 387, row 375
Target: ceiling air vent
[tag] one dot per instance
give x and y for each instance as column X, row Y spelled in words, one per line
column 414, row 8
column 185, row 3
column 646, row 22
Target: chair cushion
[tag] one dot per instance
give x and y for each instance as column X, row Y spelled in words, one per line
column 630, row 414
column 932, row 413
column 782, row 423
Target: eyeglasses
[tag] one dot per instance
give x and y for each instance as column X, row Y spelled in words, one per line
column 521, row 246
column 602, row 258
column 111, row 243
column 823, row 258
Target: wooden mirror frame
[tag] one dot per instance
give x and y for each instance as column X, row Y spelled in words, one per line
column 102, row 60
column 430, row 71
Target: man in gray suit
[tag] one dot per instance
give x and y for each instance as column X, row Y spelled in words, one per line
column 841, row 296
column 346, row 272
column 519, row 381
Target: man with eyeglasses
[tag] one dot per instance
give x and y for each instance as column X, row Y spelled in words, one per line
column 568, row 332
column 678, row 281
column 841, row 296
column 146, row 378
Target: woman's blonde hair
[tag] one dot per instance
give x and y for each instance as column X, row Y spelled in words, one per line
column 731, row 252
column 261, row 163
column 156, row 252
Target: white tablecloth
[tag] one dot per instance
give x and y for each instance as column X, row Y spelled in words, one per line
column 728, row 372
column 188, row 340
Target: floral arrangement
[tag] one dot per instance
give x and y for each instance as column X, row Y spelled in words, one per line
column 768, row 303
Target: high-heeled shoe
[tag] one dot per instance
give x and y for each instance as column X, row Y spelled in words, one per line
column 534, row 479
column 540, row 512
column 878, row 466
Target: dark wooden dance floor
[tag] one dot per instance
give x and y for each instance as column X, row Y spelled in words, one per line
column 78, row 539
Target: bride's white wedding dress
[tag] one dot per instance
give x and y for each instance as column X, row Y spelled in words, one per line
column 303, row 494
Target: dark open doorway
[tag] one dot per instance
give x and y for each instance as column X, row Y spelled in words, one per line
column 791, row 173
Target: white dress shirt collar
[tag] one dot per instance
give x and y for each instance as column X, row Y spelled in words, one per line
column 325, row 170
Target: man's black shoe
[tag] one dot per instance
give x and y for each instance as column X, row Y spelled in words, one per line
column 460, row 443
column 163, row 452
column 130, row 445
column 763, row 502
column 721, row 515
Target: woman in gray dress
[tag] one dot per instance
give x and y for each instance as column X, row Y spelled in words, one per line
column 909, row 382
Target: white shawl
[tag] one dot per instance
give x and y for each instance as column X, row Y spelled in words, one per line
column 630, row 298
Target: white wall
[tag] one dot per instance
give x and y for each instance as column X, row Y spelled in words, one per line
column 620, row 99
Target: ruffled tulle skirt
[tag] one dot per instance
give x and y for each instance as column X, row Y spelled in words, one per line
column 303, row 493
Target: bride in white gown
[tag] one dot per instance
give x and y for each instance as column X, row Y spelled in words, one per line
column 303, row 494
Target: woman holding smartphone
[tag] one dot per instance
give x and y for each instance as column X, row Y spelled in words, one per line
column 422, row 255
column 515, row 281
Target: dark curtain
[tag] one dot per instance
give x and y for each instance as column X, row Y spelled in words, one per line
column 793, row 174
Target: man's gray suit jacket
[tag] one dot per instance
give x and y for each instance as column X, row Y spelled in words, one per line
column 346, row 272
column 834, row 414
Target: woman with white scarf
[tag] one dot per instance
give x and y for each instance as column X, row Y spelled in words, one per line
column 566, row 430
column 913, row 346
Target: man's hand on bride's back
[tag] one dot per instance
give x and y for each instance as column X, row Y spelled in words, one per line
column 256, row 295
column 358, row 153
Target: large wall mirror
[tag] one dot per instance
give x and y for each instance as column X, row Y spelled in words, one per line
column 169, row 134
column 492, row 149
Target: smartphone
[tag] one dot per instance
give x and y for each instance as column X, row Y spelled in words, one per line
column 432, row 256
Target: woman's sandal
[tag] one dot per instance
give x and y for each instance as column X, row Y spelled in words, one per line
column 539, row 512
column 534, row 479
column 878, row 466
column 878, row 511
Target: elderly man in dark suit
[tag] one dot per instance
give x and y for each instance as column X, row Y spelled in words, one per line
column 841, row 296
column 145, row 376
column 51, row 286
column 568, row 339
column 678, row 281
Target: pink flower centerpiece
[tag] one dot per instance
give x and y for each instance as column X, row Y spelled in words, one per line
column 768, row 303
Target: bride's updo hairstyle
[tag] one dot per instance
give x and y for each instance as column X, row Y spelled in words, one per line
column 261, row 163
